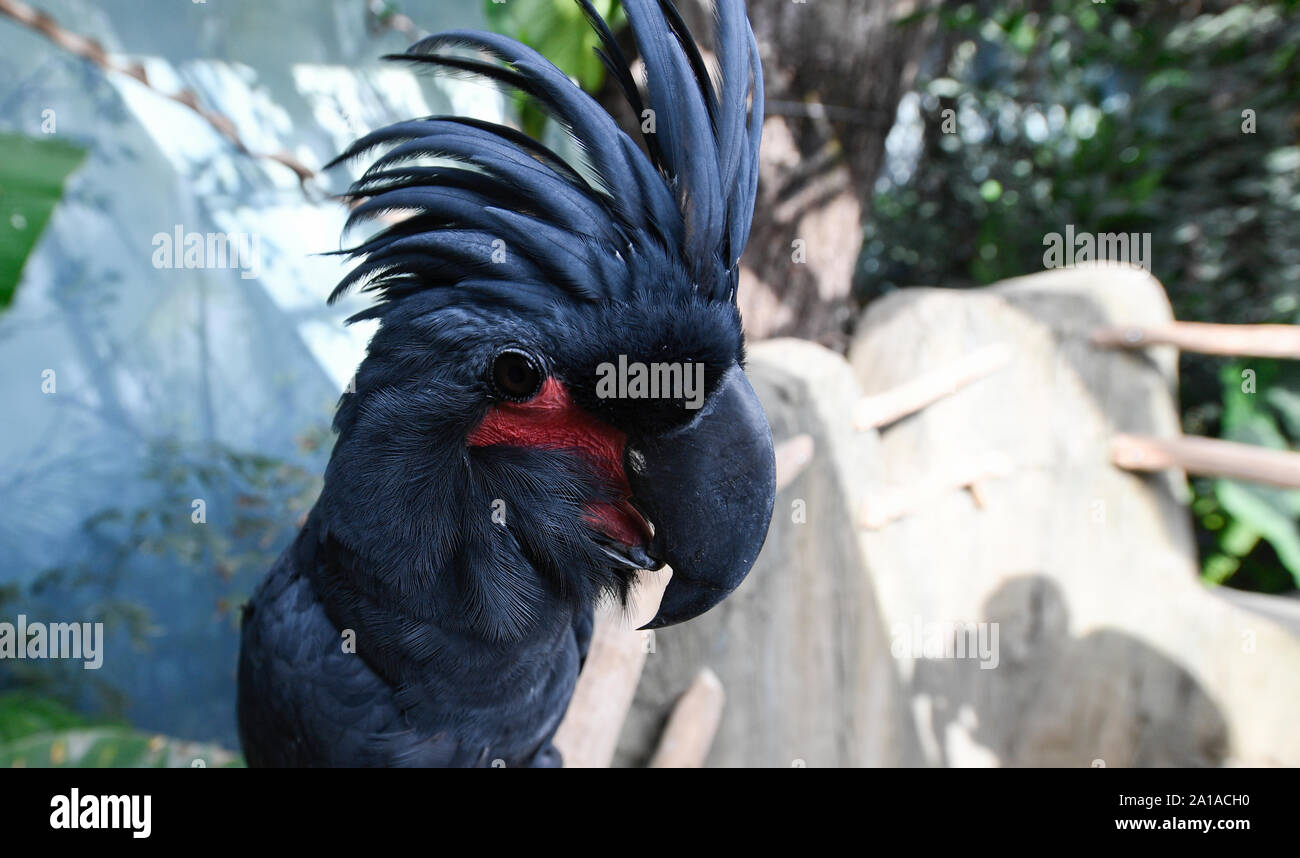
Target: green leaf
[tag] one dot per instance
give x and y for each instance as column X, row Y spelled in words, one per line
column 1022, row 35
column 111, row 747
column 1269, row 512
column 22, row 714
column 1253, row 418
column 1286, row 403
column 559, row 31
column 32, row 172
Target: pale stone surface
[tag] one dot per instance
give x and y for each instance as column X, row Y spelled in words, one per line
column 1108, row 649
column 150, row 361
column 800, row 648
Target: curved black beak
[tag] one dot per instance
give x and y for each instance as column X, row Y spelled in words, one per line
column 708, row 489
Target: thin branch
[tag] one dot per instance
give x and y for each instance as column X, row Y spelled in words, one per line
column 792, row 457
column 1207, row 457
column 969, row 474
column 93, row 50
column 881, row 409
column 588, row 735
column 1266, row 341
column 692, row 725
column 381, row 16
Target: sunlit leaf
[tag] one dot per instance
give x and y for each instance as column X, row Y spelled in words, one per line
column 32, row 172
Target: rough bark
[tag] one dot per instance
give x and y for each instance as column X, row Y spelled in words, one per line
column 835, row 71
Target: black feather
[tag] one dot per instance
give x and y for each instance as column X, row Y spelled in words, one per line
column 691, row 197
column 470, row 628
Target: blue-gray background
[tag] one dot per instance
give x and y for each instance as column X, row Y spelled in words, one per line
column 176, row 385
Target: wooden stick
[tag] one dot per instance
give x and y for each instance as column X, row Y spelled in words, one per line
column 915, row 497
column 1270, row 341
column 792, row 457
column 881, row 409
column 692, row 725
column 1207, row 457
column 588, row 735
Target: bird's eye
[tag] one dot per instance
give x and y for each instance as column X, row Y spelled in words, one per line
column 516, row 376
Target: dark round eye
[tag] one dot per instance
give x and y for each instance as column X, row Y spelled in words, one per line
column 516, row 376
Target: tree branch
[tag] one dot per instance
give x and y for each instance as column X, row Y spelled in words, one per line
column 881, row 409
column 694, row 722
column 93, row 50
column 1207, row 457
column 1268, row 341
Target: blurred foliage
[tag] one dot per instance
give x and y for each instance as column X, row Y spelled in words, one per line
column 1125, row 117
column 32, row 172
column 257, row 504
column 38, row 732
column 1261, row 406
column 112, row 747
column 558, row 30
column 253, row 506
column 23, row 714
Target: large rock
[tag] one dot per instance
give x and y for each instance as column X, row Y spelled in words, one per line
column 1108, row 649
column 1111, row 649
column 801, row 648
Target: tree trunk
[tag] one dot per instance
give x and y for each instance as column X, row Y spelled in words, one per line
column 834, row 71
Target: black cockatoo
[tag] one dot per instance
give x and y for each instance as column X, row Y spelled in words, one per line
column 488, row 486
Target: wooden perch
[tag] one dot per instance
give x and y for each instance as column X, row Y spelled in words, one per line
column 881, row 409
column 915, row 497
column 588, row 735
column 1266, row 341
column 689, row 734
column 1207, row 457
column 792, row 457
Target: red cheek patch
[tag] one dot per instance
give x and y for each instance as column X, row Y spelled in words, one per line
column 552, row 421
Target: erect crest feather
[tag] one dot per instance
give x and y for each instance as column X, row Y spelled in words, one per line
column 505, row 220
